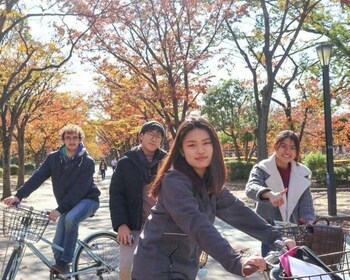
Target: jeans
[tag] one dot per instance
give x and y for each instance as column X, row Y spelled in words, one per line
column 67, row 228
column 265, row 249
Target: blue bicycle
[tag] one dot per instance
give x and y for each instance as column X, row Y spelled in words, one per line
column 96, row 257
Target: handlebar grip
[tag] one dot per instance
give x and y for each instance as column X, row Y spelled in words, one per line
column 45, row 213
column 15, row 204
column 250, row 269
column 22, row 206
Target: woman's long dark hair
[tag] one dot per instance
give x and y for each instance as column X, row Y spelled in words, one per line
column 215, row 175
column 293, row 136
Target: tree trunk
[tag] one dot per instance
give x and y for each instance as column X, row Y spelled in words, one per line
column 6, row 168
column 263, row 117
column 235, row 144
column 261, row 140
column 21, row 170
column 39, row 157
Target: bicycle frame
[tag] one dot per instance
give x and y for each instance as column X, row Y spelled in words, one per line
column 23, row 245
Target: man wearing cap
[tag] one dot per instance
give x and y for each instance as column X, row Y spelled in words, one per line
column 129, row 202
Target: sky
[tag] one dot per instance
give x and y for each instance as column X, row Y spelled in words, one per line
column 80, row 79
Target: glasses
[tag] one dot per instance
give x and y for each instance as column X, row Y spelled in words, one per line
column 69, row 138
column 154, row 135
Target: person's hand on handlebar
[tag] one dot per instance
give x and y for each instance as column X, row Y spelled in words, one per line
column 54, row 215
column 11, row 200
column 252, row 264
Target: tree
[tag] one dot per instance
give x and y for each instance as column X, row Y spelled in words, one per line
column 37, row 94
column 162, row 45
column 331, row 26
column 229, row 109
column 118, row 113
column 265, row 48
column 42, row 134
column 22, row 56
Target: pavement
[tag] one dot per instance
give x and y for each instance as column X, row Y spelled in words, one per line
column 33, row 269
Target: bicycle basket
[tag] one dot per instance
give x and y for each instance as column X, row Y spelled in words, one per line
column 292, row 231
column 335, row 271
column 324, row 239
column 23, row 224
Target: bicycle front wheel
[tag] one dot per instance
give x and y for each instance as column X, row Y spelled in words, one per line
column 102, row 253
column 12, row 265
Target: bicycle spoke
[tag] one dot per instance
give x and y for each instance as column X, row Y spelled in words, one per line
column 106, row 248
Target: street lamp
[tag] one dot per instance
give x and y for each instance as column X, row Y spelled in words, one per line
column 324, row 55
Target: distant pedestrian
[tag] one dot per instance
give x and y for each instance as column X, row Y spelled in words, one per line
column 129, row 201
column 72, row 174
column 103, row 168
column 281, row 184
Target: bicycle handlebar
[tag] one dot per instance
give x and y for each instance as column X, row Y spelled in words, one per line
column 22, row 206
column 249, row 270
column 269, row 259
column 19, row 205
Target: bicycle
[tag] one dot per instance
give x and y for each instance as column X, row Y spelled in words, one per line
column 96, row 257
column 339, row 269
column 334, row 271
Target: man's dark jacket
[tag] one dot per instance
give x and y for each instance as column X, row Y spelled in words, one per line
column 126, row 189
column 72, row 179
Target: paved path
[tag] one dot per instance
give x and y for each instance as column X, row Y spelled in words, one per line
column 33, row 269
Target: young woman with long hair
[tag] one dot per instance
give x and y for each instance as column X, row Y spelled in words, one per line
column 190, row 193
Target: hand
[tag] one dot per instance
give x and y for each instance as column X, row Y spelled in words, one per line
column 276, row 198
column 54, row 215
column 253, row 264
column 309, row 223
column 124, row 236
column 11, row 200
column 289, row 243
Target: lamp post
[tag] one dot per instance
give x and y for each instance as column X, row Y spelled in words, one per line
column 324, row 55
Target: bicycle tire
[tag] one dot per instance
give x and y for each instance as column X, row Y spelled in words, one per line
column 106, row 246
column 11, row 267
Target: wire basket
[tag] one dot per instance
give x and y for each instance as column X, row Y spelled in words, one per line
column 327, row 240
column 339, row 270
column 292, row 231
column 23, row 224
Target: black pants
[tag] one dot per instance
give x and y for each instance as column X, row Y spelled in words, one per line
column 103, row 173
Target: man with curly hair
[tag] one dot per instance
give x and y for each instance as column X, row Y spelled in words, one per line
column 72, row 174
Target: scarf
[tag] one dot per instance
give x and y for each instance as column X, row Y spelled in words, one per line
column 148, row 168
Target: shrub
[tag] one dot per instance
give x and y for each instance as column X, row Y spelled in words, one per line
column 342, row 175
column 29, row 168
column 315, row 161
column 14, row 160
column 1, row 172
column 319, row 175
column 239, row 170
column 14, row 169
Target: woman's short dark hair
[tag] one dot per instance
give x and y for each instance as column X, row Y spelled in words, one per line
column 216, row 171
column 293, row 136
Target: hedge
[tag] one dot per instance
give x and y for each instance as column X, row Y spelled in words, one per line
column 239, row 170
column 14, row 169
column 29, row 168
